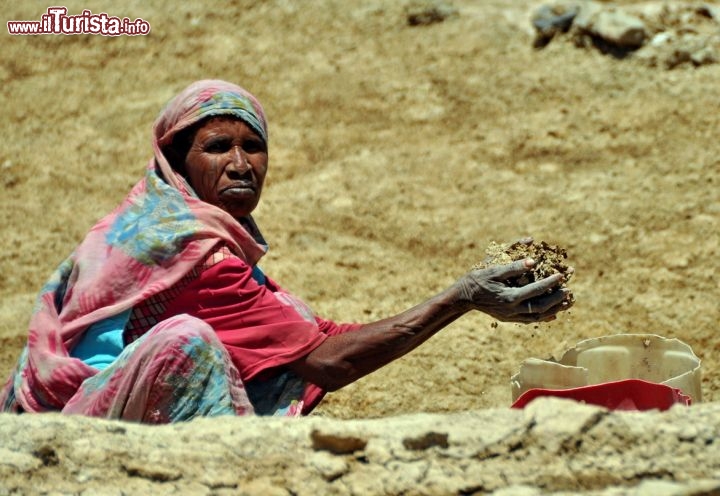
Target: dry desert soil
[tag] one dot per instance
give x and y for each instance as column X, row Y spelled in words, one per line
column 397, row 154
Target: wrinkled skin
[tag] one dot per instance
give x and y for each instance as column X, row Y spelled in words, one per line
column 226, row 165
column 486, row 291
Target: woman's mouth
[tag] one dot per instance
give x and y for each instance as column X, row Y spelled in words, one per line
column 238, row 190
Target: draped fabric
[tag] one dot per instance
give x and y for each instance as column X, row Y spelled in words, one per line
column 156, row 236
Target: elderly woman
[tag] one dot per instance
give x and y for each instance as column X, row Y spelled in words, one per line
column 161, row 314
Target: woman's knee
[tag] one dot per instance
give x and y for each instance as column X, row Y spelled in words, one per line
column 181, row 331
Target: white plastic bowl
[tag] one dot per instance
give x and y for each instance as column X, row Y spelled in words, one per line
column 648, row 357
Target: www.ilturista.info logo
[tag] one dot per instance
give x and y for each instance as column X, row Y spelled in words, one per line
column 57, row 21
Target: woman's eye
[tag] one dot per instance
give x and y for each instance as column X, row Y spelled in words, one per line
column 254, row 146
column 218, row 146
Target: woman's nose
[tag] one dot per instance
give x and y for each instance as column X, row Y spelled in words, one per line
column 239, row 160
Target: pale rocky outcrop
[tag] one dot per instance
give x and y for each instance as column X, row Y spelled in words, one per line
column 552, row 447
column 659, row 34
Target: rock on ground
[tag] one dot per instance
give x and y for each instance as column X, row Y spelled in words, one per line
column 660, row 34
column 552, row 447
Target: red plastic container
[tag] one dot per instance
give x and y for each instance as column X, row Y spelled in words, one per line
column 628, row 394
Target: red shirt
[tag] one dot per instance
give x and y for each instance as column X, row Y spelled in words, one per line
column 261, row 326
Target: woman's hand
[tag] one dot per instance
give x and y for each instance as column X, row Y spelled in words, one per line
column 486, row 290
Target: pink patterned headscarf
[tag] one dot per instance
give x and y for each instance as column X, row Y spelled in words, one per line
column 147, row 244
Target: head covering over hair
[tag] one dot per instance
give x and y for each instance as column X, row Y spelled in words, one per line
column 156, row 236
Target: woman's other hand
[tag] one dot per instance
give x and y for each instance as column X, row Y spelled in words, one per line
column 486, row 290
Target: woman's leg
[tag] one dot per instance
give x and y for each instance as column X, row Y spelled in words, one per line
column 177, row 371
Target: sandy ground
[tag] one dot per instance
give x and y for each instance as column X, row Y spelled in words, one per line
column 397, row 154
column 552, row 448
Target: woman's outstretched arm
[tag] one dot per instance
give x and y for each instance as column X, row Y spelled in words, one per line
column 343, row 359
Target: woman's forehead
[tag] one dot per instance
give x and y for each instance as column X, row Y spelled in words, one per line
column 224, row 123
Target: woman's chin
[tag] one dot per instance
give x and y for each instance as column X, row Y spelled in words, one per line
column 239, row 211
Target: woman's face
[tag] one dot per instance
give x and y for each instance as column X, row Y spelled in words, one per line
column 226, row 165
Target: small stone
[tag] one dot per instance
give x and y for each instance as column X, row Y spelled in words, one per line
column 587, row 11
column 620, row 29
column 337, row 443
column 688, row 433
column 678, row 57
column 662, row 38
column 426, row 441
column 151, row 472
column 704, row 56
column 422, row 13
column 551, row 20
column 711, row 11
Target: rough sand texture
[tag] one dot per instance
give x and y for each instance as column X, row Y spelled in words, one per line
column 553, row 447
column 397, row 154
